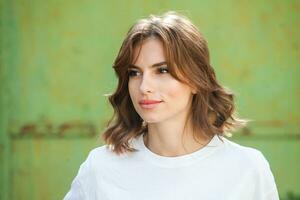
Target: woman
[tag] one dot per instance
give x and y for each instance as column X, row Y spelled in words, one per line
column 166, row 138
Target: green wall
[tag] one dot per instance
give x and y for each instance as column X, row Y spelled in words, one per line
column 56, row 65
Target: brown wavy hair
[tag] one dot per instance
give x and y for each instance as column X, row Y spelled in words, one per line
column 187, row 57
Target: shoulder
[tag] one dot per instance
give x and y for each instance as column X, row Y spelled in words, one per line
column 97, row 153
column 249, row 156
column 83, row 184
column 103, row 158
column 98, row 156
column 255, row 165
column 90, row 163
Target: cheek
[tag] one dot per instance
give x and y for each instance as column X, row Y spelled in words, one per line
column 132, row 89
column 177, row 90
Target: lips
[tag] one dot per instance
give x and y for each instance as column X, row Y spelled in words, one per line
column 147, row 102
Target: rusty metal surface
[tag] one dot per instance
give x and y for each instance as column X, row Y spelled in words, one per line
column 48, row 130
column 55, row 65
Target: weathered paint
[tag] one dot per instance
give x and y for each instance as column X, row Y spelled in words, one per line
column 56, row 59
column 48, row 130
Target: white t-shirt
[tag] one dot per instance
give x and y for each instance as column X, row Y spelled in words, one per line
column 218, row 171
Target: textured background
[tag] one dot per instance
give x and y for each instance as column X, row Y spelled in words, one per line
column 56, row 64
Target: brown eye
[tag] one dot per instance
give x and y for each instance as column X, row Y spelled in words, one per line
column 132, row 72
column 163, row 70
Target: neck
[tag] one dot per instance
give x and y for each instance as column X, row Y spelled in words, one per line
column 172, row 139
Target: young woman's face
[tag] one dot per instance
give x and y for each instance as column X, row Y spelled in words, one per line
column 156, row 95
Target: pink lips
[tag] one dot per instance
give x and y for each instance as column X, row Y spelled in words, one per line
column 148, row 104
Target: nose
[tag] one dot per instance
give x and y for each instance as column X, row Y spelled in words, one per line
column 146, row 85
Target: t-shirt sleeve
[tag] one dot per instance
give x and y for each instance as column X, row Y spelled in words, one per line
column 265, row 185
column 76, row 192
column 81, row 182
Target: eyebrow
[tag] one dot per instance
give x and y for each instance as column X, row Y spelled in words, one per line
column 154, row 65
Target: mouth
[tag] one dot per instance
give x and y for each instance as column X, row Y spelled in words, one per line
column 149, row 104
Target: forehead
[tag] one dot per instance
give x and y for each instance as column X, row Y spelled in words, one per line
column 149, row 52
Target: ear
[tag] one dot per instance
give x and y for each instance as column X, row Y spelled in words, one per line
column 194, row 91
column 193, row 88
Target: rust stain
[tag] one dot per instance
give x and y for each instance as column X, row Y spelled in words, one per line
column 28, row 129
column 77, row 126
column 47, row 129
column 246, row 131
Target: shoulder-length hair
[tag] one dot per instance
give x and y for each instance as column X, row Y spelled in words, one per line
column 187, row 57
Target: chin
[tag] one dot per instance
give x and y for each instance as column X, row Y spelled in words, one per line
column 150, row 120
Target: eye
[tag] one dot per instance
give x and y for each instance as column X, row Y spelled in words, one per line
column 163, row 70
column 132, row 72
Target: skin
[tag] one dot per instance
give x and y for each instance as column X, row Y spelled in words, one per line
column 166, row 134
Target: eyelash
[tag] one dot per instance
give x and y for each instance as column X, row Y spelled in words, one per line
column 132, row 72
